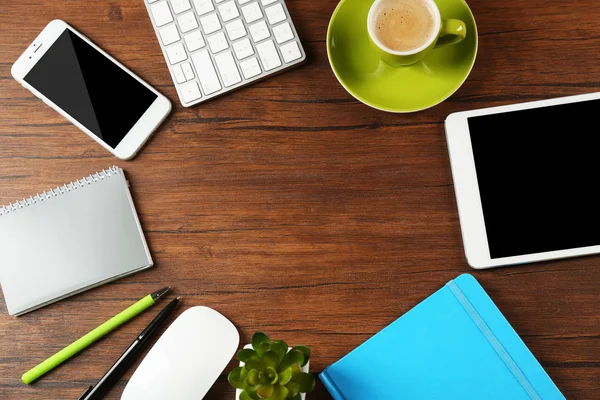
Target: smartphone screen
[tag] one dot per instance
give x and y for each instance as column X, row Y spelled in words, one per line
column 537, row 171
column 90, row 88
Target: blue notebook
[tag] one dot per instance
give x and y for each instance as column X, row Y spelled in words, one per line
column 454, row 345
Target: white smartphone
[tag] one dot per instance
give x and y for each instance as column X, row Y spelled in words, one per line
column 91, row 89
column 525, row 178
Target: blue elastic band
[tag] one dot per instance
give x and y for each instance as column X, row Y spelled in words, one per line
column 487, row 332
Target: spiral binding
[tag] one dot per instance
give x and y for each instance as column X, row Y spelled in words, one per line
column 79, row 183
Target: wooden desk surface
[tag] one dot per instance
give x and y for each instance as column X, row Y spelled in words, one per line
column 292, row 208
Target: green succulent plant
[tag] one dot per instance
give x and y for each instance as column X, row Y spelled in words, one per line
column 272, row 371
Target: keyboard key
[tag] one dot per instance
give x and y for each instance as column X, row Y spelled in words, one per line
column 243, row 49
column 250, row 68
column 267, row 2
column 210, row 24
column 228, row 11
column 180, row 6
column 190, row 92
column 187, row 22
column 187, row 71
column 227, row 68
column 283, row 33
column 206, row 72
column 236, row 29
column 243, row 1
column 194, row 41
column 217, row 42
column 275, row 13
column 152, row 1
column 268, row 55
column 218, row 1
column 161, row 13
column 259, row 31
column 290, row 52
column 176, row 53
column 203, row 6
column 178, row 72
column 252, row 12
column 169, row 34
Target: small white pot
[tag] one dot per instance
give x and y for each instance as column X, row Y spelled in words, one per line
column 304, row 369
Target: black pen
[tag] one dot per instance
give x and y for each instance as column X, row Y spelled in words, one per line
column 111, row 376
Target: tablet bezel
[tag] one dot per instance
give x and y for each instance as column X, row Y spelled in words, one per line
column 466, row 187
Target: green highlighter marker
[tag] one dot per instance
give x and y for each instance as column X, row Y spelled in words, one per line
column 92, row 336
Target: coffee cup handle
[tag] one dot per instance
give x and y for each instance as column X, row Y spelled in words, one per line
column 451, row 32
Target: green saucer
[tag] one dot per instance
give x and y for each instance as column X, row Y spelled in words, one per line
column 364, row 75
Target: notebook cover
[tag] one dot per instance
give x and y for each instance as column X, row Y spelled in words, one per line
column 454, row 345
column 68, row 240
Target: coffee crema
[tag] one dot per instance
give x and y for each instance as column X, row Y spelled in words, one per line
column 404, row 25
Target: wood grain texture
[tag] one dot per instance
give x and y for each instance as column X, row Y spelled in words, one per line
column 292, row 208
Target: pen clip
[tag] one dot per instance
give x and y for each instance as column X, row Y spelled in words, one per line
column 86, row 392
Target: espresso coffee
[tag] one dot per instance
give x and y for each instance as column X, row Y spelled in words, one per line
column 404, row 25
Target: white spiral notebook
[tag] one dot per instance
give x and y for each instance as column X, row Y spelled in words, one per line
column 69, row 239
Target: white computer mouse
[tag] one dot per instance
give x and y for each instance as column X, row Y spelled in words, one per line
column 187, row 359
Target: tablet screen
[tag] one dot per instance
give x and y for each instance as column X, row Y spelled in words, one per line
column 538, row 172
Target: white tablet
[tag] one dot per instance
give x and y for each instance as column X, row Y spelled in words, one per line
column 526, row 179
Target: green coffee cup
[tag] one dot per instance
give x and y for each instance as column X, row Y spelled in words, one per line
column 405, row 31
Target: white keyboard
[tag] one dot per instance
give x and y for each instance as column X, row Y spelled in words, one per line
column 215, row 46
